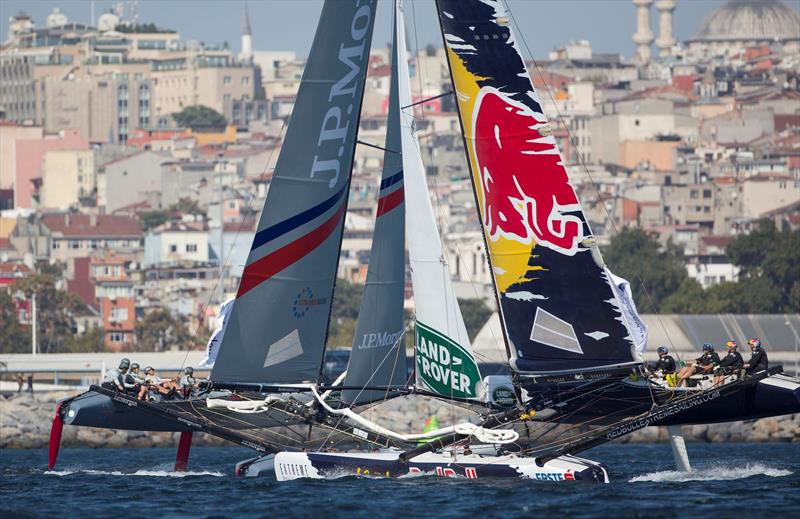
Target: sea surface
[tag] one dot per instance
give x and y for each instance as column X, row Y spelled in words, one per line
column 728, row 480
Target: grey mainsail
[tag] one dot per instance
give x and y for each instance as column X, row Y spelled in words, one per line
column 279, row 322
column 378, row 357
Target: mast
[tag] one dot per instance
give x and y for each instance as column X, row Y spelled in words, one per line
column 279, row 321
column 557, row 304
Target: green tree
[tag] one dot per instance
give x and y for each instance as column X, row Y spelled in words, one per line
column 346, row 300
column 198, row 117
column 637, row 256
column 475, row 313
column 89, row 342
column 55, row 311
column 770, row 260
column 153, row 219
column 160, row 330
column 13, row 337
column 186, row 205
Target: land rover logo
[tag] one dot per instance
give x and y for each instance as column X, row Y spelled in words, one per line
column 443, row 365
column 504, row 396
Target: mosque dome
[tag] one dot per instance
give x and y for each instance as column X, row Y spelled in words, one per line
column 751, row 20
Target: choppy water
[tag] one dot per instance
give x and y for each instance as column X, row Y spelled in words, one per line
column 729, row 480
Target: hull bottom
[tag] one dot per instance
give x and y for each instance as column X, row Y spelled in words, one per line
column 324, row 465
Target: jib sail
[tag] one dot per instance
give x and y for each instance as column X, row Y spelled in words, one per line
column 279, row 322
column 378, row 356
column 444, row 360
column 557, row 305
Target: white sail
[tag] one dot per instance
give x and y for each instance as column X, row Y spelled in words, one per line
column 212, row 348
column 445, row 363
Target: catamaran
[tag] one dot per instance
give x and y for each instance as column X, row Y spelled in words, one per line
column 571, row 333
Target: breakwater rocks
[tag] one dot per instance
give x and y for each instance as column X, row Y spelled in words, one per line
column 25, row 424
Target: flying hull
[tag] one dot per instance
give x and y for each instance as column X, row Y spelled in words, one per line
column 775, row 395
column 324, row 465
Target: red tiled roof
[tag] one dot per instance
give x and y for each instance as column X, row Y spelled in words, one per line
column 13, row 268
column 80, row 225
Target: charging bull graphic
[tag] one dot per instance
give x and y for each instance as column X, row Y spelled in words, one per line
column 526, row 193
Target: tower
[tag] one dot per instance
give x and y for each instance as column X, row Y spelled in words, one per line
column 666, row 40
column 643, row 37
column 247, row 38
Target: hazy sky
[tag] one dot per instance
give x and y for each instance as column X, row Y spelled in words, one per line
column 290, row 24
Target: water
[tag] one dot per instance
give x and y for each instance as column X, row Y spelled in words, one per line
column 728, row 480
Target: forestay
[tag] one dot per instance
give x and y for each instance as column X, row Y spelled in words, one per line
column 279, row 322
column 557, row 306
column 378, row 357
column 444, row 360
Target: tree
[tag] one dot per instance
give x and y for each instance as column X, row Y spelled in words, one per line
column 637, row 256
column 186, row 205
column 153, row 219
column 770, row 261
column 13, row 337
column 475, row 313
column 90, row 342
column 55, row 311
column 199, row 116
column 160, row 330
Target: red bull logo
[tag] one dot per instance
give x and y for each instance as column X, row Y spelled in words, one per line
column 526, row 191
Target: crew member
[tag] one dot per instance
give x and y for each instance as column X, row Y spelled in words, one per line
column 703, row 364
column 132, row 381
column 113, row 377
column 665, row 363
column 758, row 358
column 187, row 383
column 164, row 387
column 730, row 363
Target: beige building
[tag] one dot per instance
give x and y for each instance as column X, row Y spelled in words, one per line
column 658, row 155
column 68, row 177
column 9, row 133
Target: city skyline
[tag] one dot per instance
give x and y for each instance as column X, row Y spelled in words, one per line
column 223, row 22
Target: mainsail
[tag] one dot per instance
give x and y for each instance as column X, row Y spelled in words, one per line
column 378, row 357
column 557, row 305
column 279, row 322
column 444, row 360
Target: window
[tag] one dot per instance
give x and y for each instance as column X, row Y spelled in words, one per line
column 173, row 248
column 118, row 315
column 191, row 247
column 74, row 244
column 56, row 244
column 226, row 80
column 706, row 193
column 245, row 80
column 116, row 337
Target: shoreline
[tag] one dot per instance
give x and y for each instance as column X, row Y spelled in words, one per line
column 25, row 421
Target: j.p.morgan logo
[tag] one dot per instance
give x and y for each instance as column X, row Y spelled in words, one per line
column 304, row 301
column 443, row 365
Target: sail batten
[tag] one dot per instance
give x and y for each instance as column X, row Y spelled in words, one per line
column 558, row 307
column 278, row 324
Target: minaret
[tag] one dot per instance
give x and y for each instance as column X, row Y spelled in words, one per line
column 247, row 38
column 666, row 40
column 643, row 38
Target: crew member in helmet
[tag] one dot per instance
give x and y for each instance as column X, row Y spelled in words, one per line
column 132, row 380
column 758, row 358
column 114, row 376
column 730, row 363
column 187, row 383
column 703, row 364
column 665, row 363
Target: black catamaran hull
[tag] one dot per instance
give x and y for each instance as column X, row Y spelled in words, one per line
column 774, row 395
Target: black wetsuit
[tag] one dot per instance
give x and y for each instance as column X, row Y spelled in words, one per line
column 731, row 362
column 665, row 364
column 706, row 359
column 131, row 383
column 758, row 361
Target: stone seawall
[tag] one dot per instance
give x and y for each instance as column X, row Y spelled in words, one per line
column 25, row 424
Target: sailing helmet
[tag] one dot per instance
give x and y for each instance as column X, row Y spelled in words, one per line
column 134, row 366
column 662, row 350
column 708, row 347
column 731, row 345
column 754, row 343
column 147, row 369
column 124, row 364
column 189, row 371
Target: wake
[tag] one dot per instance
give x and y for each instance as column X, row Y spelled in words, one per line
column 147, row 473
column 712, row 473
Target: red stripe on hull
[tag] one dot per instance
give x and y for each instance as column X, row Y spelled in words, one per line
column 390, row 201
column 266, row 267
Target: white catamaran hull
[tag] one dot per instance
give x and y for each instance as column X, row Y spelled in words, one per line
column 322, row 465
